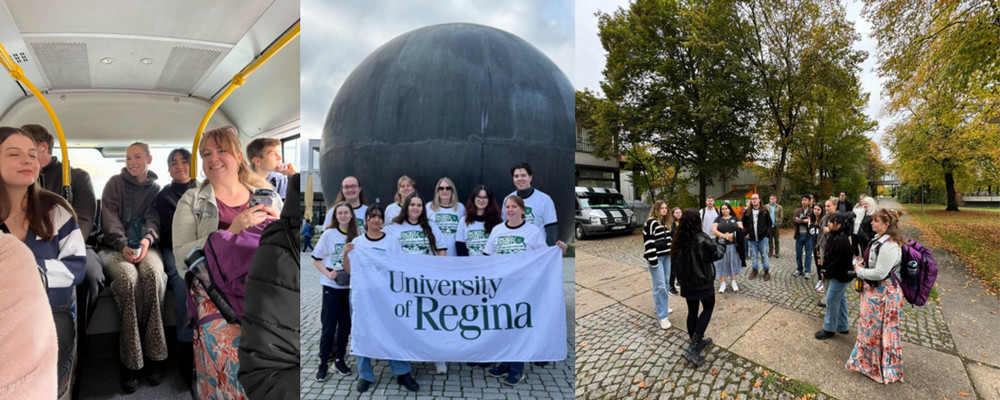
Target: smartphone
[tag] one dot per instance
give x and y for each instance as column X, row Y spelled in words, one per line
column 262, row 196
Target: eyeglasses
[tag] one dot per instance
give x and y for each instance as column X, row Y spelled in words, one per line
column 351, row 186
column 482, row 198
column 444, row 188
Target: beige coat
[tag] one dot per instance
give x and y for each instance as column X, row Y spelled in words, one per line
column 197, row 216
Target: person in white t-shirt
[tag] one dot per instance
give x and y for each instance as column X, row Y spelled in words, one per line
column 404, row 186
column 353, row 195
column 444, row 212
column 481, row 216
column 328, row 257
column 708, row 216
column 412, row 233
column 538, row 207
column 374, row 238
column 514, row 236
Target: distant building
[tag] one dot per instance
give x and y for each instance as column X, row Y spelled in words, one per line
column 597, row 172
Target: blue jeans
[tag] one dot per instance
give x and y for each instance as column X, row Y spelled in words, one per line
column 836, row 307
column 660, row 294
column 804, row 241
column 758, row 248
column 365, row 368
column 176, row 284
column 512, row 366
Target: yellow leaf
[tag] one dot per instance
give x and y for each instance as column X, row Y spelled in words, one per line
column 756, row 384
column 766, row 373
column 962, row 393
column 584, row 344
column 723, row 395
column 621, row 350
column 636, row 380
column 642, row 384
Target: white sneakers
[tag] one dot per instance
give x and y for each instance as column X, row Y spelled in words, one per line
column 665, row 323
column 670, row 310
column 735, row 288
column 441, row 367
column 722, row 289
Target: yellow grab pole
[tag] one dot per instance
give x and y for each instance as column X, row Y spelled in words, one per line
column 17, row 73
column 238, row 80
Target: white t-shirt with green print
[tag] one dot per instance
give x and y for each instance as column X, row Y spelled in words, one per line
column 510, row 240
column 473, row 235
column 330, row 250
column 446, row 220
column 359, row 215
column 410, row 239
column 539, row 209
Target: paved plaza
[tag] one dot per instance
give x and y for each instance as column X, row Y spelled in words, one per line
column 764, row 345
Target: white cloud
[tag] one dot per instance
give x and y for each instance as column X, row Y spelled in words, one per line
column 336, row 36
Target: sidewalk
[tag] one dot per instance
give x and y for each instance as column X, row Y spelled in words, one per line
column 553, row 381
column 764, row 345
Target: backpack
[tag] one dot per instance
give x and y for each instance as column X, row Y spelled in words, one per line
column 917, row 289
column 227, row 259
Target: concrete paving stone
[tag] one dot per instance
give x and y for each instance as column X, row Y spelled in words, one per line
column 986, row 379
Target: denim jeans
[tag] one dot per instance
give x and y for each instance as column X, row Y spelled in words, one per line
column 65, row 321
column 803, row 244
column 365, row 368
column 176, row 284
column 758, row 248
column 836, row 307
column 660, row 294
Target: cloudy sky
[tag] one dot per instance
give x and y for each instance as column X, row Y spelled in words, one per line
column 337, row 35
column 590, row 55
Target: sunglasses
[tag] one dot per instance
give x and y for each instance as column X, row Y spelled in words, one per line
column 444, row 188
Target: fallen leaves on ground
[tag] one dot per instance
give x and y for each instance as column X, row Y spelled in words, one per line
column 620, row 350
column 756, row 384
column 642, row 385
column 723, row 395
column 962, row 393
column 766, row 374
column 584, row 344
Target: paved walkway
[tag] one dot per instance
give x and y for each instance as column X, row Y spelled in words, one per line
column 764, row 345
column 553, row 381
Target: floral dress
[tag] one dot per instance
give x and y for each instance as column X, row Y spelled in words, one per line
column 878, row 351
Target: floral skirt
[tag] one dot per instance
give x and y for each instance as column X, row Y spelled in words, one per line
column 878, row 351
column 216, row 346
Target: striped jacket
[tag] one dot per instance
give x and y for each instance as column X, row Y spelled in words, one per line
column 652, row 232
column 63, row 259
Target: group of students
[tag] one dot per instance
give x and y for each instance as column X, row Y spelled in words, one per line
column 443, row 226
column 143, row 232
column 851, row 242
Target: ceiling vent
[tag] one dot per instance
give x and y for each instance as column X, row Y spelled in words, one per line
column 20, row 57
column 65, row 64
column 185, row 68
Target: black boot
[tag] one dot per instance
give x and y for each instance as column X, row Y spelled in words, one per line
column 692, row 353
column 704, row 344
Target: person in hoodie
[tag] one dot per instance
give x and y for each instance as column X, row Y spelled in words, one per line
column 131, row 226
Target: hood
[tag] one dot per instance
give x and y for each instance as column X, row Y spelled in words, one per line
column 150, row 178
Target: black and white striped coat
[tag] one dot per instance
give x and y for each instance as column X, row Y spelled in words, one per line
column 653, row 231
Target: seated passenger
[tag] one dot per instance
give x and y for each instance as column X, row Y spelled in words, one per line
column 85, row 207
column 221, row 202
column 27, row 334
column 179, row 162
column 131, row 226
column 265, row 161
column 46, row 224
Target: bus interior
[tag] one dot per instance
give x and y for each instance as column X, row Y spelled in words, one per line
column 119, row 72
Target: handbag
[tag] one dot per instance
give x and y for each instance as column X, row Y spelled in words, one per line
column 342, row 278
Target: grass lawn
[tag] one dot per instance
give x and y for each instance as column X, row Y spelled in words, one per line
column 974, row 234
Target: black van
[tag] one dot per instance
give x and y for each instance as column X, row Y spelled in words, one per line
column 602, row 210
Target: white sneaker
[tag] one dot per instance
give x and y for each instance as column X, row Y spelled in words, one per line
column 670, row 310
column 665, row 323
column 722, row 288
column 807, row 275
column 735, row 288
column 441, row 367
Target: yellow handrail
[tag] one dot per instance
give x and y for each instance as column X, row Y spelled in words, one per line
column 238, row 80
column 17, row 73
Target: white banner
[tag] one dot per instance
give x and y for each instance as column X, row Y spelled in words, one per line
column 472, row 309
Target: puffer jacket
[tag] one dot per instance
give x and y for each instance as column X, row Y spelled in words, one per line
column 269, row 346
column 695, row 267
column 197, row 216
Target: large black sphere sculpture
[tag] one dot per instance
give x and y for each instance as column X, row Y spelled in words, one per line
column 458, row 100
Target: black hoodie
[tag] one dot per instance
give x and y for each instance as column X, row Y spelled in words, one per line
column 127, row 211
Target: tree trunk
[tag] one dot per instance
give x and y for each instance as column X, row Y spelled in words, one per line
column 949, row 185
column 702, row 187
column 779, row 176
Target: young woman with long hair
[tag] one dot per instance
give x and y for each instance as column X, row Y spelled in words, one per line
column 404, row 187
column 328, row 258
column 725, row 226
column 837, row 260
column 445, row 211
column 46, row 224
column 675, row 218
column 482, row 213
column 818, row 221
column 657, row 246
column 220, row 203
column 693, row 254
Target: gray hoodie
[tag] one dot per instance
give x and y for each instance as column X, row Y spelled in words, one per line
column 127, row 211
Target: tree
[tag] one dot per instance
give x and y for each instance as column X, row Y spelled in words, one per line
column 940, row 60
column 796, row 47
column 676, row 80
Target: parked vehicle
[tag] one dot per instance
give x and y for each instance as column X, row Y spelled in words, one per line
column 602, row 210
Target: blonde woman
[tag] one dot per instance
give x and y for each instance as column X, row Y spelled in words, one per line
column 221, row 202
column 445, row 211
column 657, row 244
column 404, row 187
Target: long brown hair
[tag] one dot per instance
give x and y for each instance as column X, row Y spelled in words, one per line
column 425, row 225
column 891, row 220
column 491, row 215
column 39, row 201
column 352, row 227
column 226, row 138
